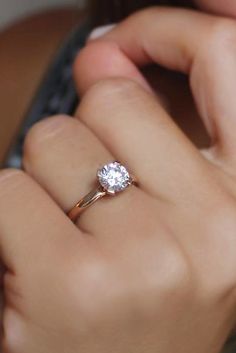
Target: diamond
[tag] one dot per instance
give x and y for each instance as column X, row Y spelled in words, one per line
column 114, row 177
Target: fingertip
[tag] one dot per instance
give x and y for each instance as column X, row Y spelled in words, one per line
column 103, row 59
column 92, row 63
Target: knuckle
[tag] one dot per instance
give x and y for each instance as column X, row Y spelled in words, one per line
column 10, row 173
column 109, row 91
column 90, row 289
column 100, row 294
column 103, row 287
column 10, row 179
column 40, row 133
column 173, row 279
column 177, row 274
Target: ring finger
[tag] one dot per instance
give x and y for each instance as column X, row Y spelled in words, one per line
column 63, row 155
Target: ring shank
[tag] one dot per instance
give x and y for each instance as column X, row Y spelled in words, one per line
column 112, row 178
column 85, row 202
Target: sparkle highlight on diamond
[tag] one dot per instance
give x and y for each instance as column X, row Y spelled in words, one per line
column 114, row 177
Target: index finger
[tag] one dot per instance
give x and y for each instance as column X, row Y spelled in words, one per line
column 178, row 39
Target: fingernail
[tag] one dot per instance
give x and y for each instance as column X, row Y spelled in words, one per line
column 100, row 31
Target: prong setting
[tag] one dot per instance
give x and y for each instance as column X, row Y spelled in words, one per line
column 114, row 177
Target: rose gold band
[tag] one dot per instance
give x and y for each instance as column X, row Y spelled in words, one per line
column 112, row 178
column 89, row 199
column 85, row 202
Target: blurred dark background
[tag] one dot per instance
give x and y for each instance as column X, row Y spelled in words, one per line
column 106, row 11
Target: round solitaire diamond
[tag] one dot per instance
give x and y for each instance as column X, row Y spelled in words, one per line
column 114, row 177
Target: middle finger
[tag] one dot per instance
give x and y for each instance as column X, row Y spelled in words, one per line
column 133, row 125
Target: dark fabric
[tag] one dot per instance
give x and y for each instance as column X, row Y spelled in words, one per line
column 230, row 347
column 56, row 94
column 109, row 11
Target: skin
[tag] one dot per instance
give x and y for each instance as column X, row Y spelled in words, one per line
column 155, row 266
column 219, row 7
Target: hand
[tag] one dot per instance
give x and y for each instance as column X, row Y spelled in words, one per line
column 146, row 44
column 152, row 268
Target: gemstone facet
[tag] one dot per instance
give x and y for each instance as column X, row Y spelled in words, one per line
column 114, row 177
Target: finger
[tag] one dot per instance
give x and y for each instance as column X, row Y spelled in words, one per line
column 27, row 217
column 186, row 41
column 63, row 155
column 110, row 62
column 220, row 7
column 137, row 130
